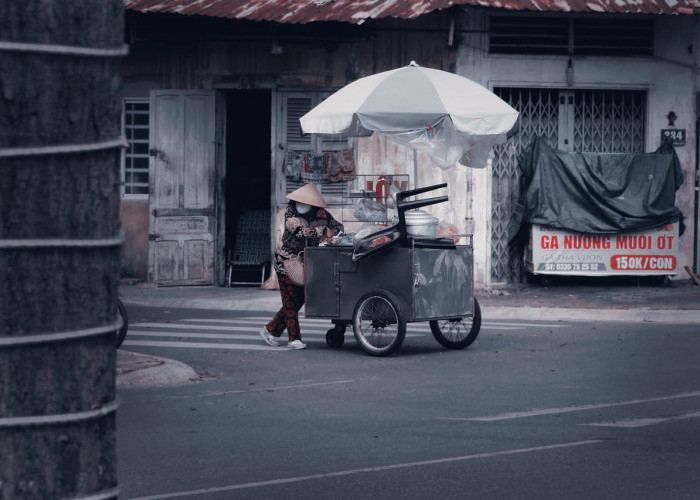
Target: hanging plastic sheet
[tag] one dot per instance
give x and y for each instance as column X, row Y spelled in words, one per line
column 598, row 193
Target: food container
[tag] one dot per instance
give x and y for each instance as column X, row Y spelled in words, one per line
column 421, row 223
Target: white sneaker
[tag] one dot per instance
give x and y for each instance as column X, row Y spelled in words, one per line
column 269, row 339
column 296, row 344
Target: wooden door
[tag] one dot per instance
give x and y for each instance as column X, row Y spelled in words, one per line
column 182, row 205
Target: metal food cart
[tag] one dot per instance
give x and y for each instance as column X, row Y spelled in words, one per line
column 379, row 289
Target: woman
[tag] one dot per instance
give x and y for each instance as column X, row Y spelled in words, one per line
column 306, row 223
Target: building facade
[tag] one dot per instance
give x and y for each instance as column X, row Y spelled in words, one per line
column 211, row 108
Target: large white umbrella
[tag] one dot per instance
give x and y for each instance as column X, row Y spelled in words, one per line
column 445, row 115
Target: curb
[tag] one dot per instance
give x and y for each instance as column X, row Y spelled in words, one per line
column 639, row 315
column 140, row 370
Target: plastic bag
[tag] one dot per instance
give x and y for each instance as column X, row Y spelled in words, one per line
column 342, row 239
column 369, row 210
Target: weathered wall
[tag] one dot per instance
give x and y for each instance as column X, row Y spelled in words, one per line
column 319, row 60
column 212, row 61
column 158, row 59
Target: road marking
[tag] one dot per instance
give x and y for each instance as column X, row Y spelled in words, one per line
column 234, row 328
column 381, row 468
column 273, row 388
column 245, row 329
column 143, row 327
column 251, row 319
column 257, row 320
column 568, row 409
column 633, row 423
column 179, row 326
column 191, row 328
column 233, row 336
column 204, row 345
column 524, row 325
column 223, row 336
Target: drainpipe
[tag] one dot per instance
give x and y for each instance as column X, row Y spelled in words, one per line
column 697, row 182
column 696, row 40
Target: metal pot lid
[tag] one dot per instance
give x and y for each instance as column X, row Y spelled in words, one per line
column 418, row 217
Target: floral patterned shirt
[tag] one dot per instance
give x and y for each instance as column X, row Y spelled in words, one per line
column 302, row 230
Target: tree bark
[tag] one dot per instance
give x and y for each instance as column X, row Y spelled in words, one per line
column 59, row 251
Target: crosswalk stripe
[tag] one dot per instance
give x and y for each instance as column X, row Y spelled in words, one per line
column 252, row 319
column 259, row 320
column 252, row 328
column 524, row 325
column 191, row 335
column 231, row 326
column 304, row 324
column 180, row 326
column 202, row 345
column 226, row 336
column 245, row 329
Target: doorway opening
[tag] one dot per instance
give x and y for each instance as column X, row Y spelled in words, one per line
column 248, row 186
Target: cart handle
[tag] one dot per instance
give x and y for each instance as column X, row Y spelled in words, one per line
column 408, row 205
column 412, row 192
column 402, row 206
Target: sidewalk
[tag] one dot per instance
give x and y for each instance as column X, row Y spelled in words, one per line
column 621, row 300
column 141, row 370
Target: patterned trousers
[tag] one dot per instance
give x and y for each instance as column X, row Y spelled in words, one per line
column 288, row 316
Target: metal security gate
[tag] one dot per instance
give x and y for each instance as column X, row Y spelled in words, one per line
column 596, row 121
column 609, row 121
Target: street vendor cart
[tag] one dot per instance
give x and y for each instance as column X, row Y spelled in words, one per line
column 378, row 289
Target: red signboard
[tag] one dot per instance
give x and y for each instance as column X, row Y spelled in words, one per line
column 554, row 251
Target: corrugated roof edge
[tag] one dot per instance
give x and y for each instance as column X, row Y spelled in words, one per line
column 357, row 11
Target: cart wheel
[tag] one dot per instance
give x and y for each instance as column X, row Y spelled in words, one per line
column 335, row 337
column 378, row 323
column 457, row 333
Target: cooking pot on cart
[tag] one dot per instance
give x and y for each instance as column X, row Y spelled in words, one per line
column 420, row 223
column 413, row 277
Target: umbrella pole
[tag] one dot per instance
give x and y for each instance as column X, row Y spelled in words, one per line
column 415, row 169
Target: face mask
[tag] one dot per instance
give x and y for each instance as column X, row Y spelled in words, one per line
column 303, row 208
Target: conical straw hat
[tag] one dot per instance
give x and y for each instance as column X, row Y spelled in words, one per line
column 308, row 194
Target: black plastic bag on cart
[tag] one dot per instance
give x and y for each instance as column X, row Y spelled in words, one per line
column 595, row 193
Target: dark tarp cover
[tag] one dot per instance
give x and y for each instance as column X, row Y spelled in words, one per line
column 598, row 193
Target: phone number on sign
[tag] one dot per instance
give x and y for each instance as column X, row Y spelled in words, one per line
column 643, row 263
column 564, row 266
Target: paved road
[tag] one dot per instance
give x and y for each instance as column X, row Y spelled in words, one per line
column 531, row 410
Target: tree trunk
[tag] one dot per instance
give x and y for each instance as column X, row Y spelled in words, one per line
column 59, row 248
